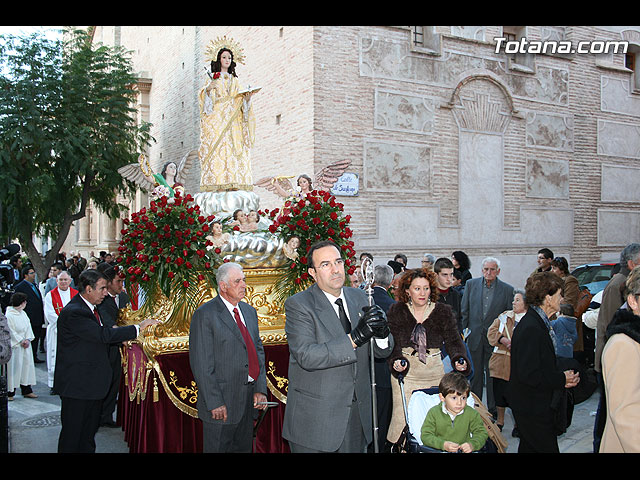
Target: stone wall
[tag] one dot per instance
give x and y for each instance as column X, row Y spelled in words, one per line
column 455, row 146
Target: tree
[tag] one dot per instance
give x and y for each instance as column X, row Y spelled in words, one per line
column 67, row 123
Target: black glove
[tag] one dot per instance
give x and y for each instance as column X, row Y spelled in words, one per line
column 373, row 323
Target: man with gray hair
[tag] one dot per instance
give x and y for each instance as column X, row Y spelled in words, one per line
column 484, row 299
column 227, row 361
column 613, row 297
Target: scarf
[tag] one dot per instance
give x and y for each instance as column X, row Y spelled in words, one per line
column 625, row 321
column 546, row 321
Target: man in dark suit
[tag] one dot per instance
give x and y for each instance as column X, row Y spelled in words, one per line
column 83, row 371
column 109, row 309
column 484, row 299
column 227, row 361
column 35, row 306
column 383, row 275
column 329, row 327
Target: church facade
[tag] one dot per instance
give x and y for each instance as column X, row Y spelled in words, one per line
column 455, row 140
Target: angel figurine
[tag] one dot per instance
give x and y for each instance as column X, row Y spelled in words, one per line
column 169, row 180
column 217, row 237
column 325, row 180
column 290, row 249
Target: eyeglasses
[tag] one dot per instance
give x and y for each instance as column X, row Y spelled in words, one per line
column 327, row 265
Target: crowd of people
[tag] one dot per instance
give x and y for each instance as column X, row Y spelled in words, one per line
column 523, row 347
column 431, row 326
column 33, row 324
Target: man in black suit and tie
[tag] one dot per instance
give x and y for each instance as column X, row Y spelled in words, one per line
column 227, row 362
column 109, row 309
column 383, row 275
column 35, row 305
column 83, row 371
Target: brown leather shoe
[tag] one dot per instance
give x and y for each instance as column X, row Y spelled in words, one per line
column 30, row 395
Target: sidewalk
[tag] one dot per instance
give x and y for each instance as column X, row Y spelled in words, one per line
column 34, row 425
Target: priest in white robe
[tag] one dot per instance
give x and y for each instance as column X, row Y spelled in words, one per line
column 54, row 301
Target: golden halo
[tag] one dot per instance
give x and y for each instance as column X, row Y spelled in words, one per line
column 214, row 47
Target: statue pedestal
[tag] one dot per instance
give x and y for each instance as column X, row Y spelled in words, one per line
column 157, row 403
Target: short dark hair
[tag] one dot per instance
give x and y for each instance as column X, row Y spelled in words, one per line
column 546, row 252
column 541, row 284
column 441, row 263
column 365, row 254
column 17, row 299
column 108, row 270
column 402, row 257
column 561, row 264
column 454, row 382
column 567, row 309
column 25, row 270
column 319, row 245
column 89, row 278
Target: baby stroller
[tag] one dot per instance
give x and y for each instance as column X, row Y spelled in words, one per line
column 419, row 404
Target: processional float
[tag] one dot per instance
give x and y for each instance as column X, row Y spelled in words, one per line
column 170, row 250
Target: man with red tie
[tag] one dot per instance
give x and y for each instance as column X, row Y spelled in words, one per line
column 227, row 361
column 54, row 302
column 83, row 371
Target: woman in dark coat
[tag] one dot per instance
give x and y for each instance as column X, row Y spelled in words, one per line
column 534, row 373
column 420, row 326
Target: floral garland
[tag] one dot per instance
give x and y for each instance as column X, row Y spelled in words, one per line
column 164, row 250
column 312, row 218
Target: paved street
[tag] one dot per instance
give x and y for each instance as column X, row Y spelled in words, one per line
column 35, row 425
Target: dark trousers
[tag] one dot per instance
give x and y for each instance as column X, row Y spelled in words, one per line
column 537, row 434
column 109, row 403
column 220, row 437
column 481, row 377
column 601, row 415
column 80, row 421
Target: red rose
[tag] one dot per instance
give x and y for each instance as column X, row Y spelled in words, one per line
column 216, row 75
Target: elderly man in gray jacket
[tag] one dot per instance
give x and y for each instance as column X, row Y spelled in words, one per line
column 484, row 299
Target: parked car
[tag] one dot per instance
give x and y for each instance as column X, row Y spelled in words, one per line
column 595, row 276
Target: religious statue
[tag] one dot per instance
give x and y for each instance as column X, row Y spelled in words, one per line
column 217, row 237
column 290, row 248
column 227, row 122
column 168, row 181
column 325, row 180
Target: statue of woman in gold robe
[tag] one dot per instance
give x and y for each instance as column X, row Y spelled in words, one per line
column 227, row 124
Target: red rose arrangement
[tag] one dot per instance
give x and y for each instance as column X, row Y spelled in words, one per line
column 317, row 216
column 164, row 250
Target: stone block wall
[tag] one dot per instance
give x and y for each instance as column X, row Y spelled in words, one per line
column 454, row 146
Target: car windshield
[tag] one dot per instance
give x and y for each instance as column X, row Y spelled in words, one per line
column 594, row 273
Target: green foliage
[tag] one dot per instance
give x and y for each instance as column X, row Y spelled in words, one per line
column 67, row 123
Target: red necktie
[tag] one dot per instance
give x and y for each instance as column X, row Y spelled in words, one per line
column 254, row 368
column 95, row 312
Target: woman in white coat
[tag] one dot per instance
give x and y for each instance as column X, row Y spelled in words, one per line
column 20, row 369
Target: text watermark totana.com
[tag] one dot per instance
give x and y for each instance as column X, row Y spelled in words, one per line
column 523, row 45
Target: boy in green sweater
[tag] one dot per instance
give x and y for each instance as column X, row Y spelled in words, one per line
column 452, row 425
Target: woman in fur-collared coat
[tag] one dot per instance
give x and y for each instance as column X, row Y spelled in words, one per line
column 420, row 326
